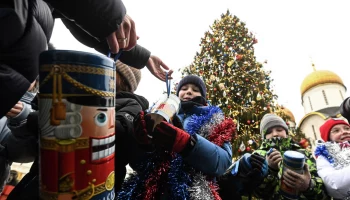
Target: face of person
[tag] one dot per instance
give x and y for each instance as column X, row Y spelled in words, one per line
column 277, row 131
column 340, row 133
column 97, row 121
column 188, row 92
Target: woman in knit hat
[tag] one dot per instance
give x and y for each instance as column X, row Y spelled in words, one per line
column 333, row 158
column 187, row 155
column 127, row 106
column 274, row 132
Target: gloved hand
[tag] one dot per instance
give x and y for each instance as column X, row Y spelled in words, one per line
column 143, row 125
column 252, row 170
column 171, row 138
column 243, row 176
column 258, row 162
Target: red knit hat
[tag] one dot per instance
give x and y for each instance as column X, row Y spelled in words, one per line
column 328, row 125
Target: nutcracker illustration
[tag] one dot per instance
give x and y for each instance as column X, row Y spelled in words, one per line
column 76, row 105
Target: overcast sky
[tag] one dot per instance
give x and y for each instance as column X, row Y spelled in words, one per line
column 289, row 33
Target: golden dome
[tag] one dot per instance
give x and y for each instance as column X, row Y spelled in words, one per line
column 289, row 114
column 319, row 77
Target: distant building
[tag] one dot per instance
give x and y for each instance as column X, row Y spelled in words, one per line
column 322, row 92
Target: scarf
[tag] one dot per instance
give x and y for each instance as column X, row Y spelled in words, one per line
column 166, row 172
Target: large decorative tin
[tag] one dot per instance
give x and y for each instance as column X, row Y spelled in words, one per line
column 76, row 120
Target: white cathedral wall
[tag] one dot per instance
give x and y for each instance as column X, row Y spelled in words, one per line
column 314, row 99
column 311, row 128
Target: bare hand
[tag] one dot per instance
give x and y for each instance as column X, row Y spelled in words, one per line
column 274, row 159
column 15, row 110
column 300, row 182
column 125, row 37
column 155, row 65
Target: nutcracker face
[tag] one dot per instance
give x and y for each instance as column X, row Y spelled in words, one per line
column 98, row 126
column 98, row 122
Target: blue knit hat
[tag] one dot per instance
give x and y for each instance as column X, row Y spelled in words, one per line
column 195, row 80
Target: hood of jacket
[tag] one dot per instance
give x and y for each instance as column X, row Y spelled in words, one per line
column 140, row 99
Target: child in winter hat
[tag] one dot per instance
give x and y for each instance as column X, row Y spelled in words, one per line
column 332, row 162
column 270, row 121
column 195, row 80
column 326, row 128
column 309, row 184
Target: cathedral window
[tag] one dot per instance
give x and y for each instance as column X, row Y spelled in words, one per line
column 310, row 103
column 325, row 97
column 341, row 94
column 313, row 130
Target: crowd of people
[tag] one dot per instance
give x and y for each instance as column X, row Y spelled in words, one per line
column 189, row 157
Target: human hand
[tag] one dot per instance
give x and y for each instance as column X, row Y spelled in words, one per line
column 143, row 125
column 15, row 110
column 155, row 65
column 300, row 182
column 274, row 159
column 125, row 37
column 257, row 161
column 170, row 137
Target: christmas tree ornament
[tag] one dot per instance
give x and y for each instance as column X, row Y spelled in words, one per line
column 242, row 146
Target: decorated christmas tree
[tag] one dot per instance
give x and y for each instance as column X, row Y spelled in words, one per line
column 235, row 80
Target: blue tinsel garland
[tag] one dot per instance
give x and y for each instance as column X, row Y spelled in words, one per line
column 197, row 121
column 321, row 150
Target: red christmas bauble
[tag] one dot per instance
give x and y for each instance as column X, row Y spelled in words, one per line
column 228, row 106
column 304, row 143
column 248, row 148
column 248, row 122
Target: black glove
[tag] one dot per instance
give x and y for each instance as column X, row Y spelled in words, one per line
column 143, row 125
column 251, row 172
column 257, row 161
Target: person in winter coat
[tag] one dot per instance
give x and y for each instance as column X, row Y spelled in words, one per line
column 333, row 163
column 17, row 142
column 102, row 25
column 274, row 132
column 127, row 106
column 187, row 155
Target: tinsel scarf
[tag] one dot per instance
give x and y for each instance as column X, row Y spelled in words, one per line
column 338, row 154
column 166, row 172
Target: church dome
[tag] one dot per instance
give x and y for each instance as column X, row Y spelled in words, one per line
column 319, row 77
column 289, row 114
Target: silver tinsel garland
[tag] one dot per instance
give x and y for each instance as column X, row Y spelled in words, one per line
column 340, row 153
column 207, row 128
column 200, row 189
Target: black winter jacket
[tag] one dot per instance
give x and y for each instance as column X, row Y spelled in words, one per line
column 26, row 27
column 128, row 105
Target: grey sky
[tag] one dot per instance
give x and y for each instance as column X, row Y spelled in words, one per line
column 288, row 33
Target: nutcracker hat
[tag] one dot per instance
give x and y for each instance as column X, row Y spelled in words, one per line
column 86, row 78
